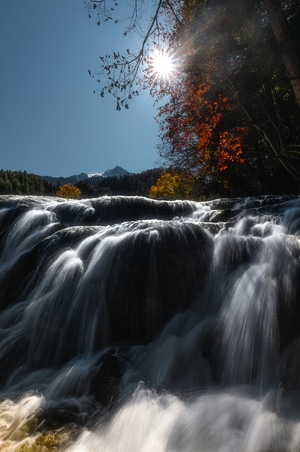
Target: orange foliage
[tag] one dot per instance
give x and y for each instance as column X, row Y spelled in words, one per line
column 196, row 119
column 230, row 148
column 69, row 191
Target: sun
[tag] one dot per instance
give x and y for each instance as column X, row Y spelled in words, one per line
column 163, row 65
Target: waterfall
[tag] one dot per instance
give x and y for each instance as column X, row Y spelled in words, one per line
column 134, row 325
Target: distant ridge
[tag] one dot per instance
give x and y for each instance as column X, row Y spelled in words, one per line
column 118, row 171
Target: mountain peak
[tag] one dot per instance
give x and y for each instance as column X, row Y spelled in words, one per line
column 117, row 171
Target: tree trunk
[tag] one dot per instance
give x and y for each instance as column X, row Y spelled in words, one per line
column 289, row 50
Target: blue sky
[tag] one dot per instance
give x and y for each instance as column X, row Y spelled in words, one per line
column 51, row 122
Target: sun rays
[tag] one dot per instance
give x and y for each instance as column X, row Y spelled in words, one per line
column 162, row 65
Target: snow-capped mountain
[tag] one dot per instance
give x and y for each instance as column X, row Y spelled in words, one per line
column 118, row 171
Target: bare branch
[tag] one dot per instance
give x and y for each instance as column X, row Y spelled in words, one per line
column 120, row 73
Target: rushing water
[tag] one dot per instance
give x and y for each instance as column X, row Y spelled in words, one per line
column 131, row 325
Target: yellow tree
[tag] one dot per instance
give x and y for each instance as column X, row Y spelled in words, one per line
column 69, row 191
column 172, row 186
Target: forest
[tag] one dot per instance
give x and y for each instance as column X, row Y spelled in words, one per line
column 157, row 183
column 22, row 183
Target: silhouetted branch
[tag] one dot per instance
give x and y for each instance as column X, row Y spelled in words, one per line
column 120, row 73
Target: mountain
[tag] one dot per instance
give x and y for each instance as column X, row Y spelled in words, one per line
column 118, row 171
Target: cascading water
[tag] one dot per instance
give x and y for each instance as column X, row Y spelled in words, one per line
column 132, row 325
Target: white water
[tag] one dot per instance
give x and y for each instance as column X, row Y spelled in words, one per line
column 212, row 422
column 199, row 330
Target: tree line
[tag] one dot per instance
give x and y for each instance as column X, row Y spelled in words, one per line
column 129, row 185
column 157, row 183
column 22, row 183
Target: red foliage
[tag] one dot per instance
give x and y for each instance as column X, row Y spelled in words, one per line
column 195, row 119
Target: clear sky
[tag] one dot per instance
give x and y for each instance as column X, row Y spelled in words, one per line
column 51, row 122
